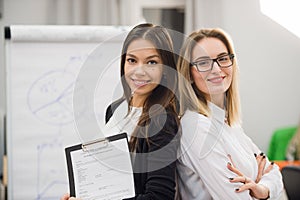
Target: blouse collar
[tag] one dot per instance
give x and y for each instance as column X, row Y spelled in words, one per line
column 216, row 112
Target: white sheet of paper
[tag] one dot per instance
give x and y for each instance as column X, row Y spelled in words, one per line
column 103, row 171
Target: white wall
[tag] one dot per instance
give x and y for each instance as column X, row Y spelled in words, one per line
column 19, row 12
column 44, row 12
column 269, row 69
column 268, row 61
column 16, row 12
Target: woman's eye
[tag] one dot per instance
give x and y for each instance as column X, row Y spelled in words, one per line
column 152, row 62
column 131, row 60
column 203, row 62
column 225, row 58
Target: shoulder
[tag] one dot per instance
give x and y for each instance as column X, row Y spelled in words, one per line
column 194, row 119
column 164, row 128
column 199, row 133
column 165, row 121
column 112, row 107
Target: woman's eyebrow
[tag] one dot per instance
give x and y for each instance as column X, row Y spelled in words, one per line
column 153, row 56
column 202, row 58
column 131, row 55
column 207, row 57
column 222, row 54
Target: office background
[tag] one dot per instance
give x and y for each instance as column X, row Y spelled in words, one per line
column 268, row 53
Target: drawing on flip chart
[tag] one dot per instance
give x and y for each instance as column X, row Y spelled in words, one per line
column 50, row 178
column 50, row 98
column 42, row 75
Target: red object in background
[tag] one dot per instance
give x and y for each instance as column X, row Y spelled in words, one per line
column 283, row 163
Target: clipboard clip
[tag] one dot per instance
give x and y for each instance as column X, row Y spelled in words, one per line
column 104, row 141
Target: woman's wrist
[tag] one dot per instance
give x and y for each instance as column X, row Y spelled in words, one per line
column 265, row 191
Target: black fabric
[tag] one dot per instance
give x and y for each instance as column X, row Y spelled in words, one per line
column 111, row 108
column 160, row 155
column 291, row 180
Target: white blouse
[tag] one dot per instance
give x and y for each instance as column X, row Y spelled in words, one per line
column 122, row 121
column 202, row 165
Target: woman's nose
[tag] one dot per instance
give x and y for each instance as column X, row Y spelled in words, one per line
column 139, row 70
column 215, row 67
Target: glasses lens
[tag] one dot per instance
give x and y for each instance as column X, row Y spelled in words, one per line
column 224, row 61
column 203, row 65
column 206, row 64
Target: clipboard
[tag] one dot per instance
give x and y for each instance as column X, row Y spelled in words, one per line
column 101, row 169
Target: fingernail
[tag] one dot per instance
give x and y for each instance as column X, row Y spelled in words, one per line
column 255, row 154
column 261, row 153
column 231, row 179
column 228, row 163
column 264, row 156
column 237, row 189
column 272, row 163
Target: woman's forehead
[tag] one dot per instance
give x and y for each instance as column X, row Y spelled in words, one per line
column 211, row 47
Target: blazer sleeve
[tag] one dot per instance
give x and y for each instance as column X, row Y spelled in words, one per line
column 111, row 108
column 158, row 159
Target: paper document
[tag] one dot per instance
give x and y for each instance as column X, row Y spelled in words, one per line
column 101, row 169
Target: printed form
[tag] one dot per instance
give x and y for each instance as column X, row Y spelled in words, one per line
column 101, row 170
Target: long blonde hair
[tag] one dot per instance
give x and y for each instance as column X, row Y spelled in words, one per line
column 191, row 98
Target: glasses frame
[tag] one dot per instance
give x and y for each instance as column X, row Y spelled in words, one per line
column 215, row 60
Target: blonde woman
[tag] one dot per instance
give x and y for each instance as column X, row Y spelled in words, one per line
column 217, row 160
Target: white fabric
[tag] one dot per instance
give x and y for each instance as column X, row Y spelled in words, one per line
column 121, row 121
column 202, row 166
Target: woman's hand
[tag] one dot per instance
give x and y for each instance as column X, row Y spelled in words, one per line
column 256, row 190
column 261, row 163
column 67, row 197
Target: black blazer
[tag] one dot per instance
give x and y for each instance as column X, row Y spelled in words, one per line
column 155, row 165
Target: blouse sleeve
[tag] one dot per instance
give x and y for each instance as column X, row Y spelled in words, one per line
column 206, row 153
column 272, row 179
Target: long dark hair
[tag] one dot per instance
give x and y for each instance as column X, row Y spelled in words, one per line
column 164, row 93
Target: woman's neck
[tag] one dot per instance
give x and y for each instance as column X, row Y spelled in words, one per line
column 137, row 101
column 218, row 100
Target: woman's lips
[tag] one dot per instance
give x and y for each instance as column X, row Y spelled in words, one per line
column 140, row 83
column 218, row 79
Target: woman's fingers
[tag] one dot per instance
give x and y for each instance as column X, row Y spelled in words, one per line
column 261, row 162
column 261, row 167
column 269, row 168
column 259, row 157
column 230, row 160
column 247, row 186
column 231, row 166
column 256, row 190
column 233, row 169
column 65, row 197
column 241, row 179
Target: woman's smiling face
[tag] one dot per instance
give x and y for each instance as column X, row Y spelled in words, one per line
column 143, row 68
column 217, row 80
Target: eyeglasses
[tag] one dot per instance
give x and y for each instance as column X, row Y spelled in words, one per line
column 205, row 65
